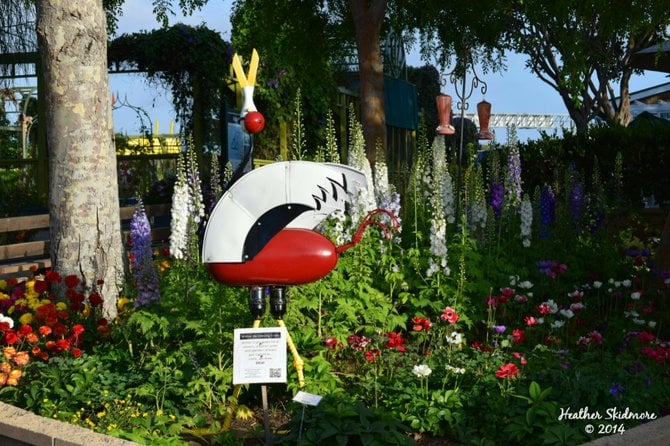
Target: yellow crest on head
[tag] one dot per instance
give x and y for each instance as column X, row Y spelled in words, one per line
column 244, row 79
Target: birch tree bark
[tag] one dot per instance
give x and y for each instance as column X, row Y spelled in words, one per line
column 83, row 200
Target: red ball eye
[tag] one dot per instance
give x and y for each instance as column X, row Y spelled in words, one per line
column 254, row 122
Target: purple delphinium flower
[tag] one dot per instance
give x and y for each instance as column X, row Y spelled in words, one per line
column 499, row 329
column 547, row 210
column 496, row 196
column 140, row 236
column 577, row 201
column 514, row 176
column 144, row 273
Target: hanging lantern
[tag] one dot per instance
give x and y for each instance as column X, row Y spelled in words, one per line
column 484, row 114
column 444, row 113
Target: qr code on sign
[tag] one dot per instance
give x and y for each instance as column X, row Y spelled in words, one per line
column 275, row 373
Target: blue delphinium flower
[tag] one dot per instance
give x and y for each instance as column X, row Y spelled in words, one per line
column 496, row 196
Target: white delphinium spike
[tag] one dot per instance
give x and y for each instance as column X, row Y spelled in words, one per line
column 526, row 214
column 180, row 214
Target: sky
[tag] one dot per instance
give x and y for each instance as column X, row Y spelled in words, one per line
column 516, row 90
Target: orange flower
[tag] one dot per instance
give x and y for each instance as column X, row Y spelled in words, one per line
column 13, row 378
column 45, row 330
column 5, row 368
column 21, row 359
column 9, row 352
column 32, row 338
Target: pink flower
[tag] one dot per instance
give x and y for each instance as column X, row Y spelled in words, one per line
column 518, row 336
column 520, row 357
column 596, row 337
column 530, row 321
column 449, row 315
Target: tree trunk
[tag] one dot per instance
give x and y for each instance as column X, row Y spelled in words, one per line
column 368, row 16
column 83, row 192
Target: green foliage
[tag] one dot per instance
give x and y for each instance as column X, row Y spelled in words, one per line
column 190, row 61
column 339, row 420
column 637, row 155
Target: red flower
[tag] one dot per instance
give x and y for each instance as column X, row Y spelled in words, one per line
column 645, row 336
column 10, row 337
column 395, row 341
column 331, row 343
column 509, row 370
column 449, row 315
column 95, row 299
column 60, row 329
column 63, row 344
column 77, row 330
column 421, row 323
column 518, row 336
column 479, row 346
column 507, row 292
column 53, row 277
column 371, row 354
column 45, row 330
column 76, row 352
column 25, row 330
column 71, row 281
column 40, row 286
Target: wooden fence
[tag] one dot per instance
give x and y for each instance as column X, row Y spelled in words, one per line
column 27, row 245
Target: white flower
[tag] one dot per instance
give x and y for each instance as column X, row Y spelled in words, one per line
column 553, row 307
column 422, row 370
column 526, row 285
column 455, row 338
column 567, row 313
column 179, row 223
column 557, row 324
column 639, row 321
column 635, row 295
column 627, row 283
column 456, row 370
column 652, row 324
column 513, row 280
column 7, row 319
column 597, row 284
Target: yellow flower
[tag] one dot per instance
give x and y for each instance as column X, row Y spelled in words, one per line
column 87, row 311
column 61, row 306
column 26, row 318
column 3, row 284
column 122, row 302
column 244, row 413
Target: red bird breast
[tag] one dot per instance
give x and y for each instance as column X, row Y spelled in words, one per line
column 292, row 257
